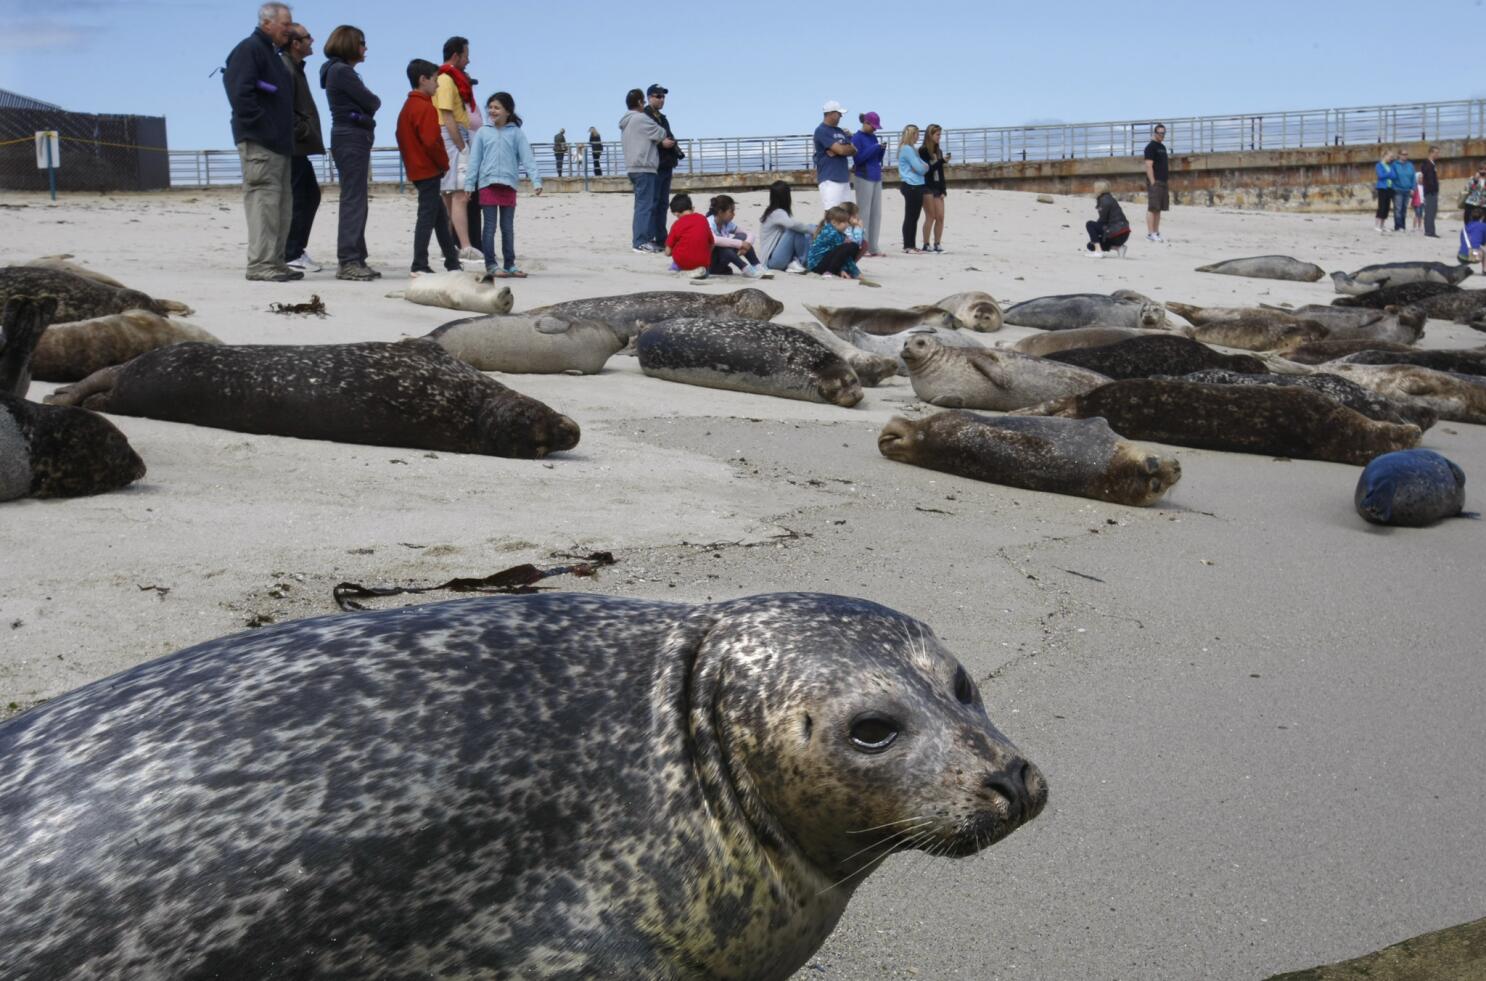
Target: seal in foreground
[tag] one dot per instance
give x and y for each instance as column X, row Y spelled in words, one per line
column 537, row 786
column 1411, row 487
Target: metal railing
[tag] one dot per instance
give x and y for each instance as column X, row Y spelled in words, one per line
column 1432, row 122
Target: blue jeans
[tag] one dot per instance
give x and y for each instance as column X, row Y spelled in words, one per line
column 645, row 186
column 662, row 206
column 489, row 215
column 1401, row 209
column 794, row 245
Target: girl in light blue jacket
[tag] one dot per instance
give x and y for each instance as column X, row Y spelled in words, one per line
column 498, row 153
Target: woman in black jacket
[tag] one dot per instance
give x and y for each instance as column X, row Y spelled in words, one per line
column 934, row 187
column 1109, row 233
column 352, row 106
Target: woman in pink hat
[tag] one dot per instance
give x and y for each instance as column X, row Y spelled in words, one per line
column 867, row 171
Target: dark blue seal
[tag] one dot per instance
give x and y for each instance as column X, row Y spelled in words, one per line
column 1410, row 487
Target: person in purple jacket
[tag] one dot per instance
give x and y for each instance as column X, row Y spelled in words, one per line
column 868, row 172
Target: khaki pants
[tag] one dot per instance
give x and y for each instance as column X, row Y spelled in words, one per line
column 269, row 204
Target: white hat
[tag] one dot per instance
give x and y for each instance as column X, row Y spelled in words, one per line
column 832, row 106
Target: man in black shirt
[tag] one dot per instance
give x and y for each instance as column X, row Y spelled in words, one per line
column 1431, row 190
column 655, row 104
column 1158, row 198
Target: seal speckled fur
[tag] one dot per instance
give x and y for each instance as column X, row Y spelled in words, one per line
column 78, row 298
column 748, row 356
column 1087, row 310
column 631, row 313
column 71, row 352
column 1347, row 393
column 989, row 378
column 554, row 786
column 1155, row 354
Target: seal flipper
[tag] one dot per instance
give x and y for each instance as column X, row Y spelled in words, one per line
column 92, row 392
column 22, row 323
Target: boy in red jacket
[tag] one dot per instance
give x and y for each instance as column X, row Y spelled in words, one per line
column 421, row 143
column 689, row 243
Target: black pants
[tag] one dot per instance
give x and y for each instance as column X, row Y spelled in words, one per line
column 1385, row 198
column 913, row 206
column 598, row 170
column 1105, row 242
column 724, row 258
column 432, row 220
column 351, row 149
column 835, row 260
column 473, row 216
column 306, row 192
column 559, row 163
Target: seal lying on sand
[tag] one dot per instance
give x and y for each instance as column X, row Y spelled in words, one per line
column 457, row 289
column 1163, row 354
column 61, row 263
column 747, row 356
column 1086, row 310
column 51, row 451
column 411, row 393
column 881, row 320
column 891, row 345
column 989, row 378
column 1460, row 305
column 1459, row 362
column 77, row 298
column 1413, row 488
column 633, row 312
column 1319, row 352
column 1370, row 278
column 974, row 310
column 69, row 352
column 1291, row 422
column 1347, row 393
column 1395, row 296
column 1260, row 333
column 1083, row 457
column 1459, row 398
column 523, row 343
column 371, row 795
column 1396, row 325
column 1268, row 267
column 1051, row 342
column 872, row 369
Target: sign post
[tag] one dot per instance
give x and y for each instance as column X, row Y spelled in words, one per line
column 49, row 156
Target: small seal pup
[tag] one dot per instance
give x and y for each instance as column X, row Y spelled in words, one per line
column 881, row 320
column 51, row 451
column 1395, row 296
column 1268, row 267
column 1086, row 310
column 974, row 310
column 373, row 795
column 70, row 352
column 457, row 289
column 1262, row 333
column 1461, row 362
column 410, row 393
column 1160, row 354
column 78, row 298
column 631, row 313
column 524, row 343
column 1412, row 488
column 60, row 263
column 1347, row 393
column 1370, row 278
column 1458, row 398
column 747, row 356
column 1050, row 342
column 1081, row 457
column 989, row 378
column 872, row 369
column 1291, row 422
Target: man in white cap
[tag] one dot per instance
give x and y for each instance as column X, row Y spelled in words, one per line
column 832, row 147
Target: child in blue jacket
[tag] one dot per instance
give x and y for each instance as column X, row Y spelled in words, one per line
column 498, row 153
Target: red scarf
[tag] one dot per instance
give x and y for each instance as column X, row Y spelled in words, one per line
column 462, row 82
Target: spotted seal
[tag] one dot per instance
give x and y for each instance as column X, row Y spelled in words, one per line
column 70, row 352
column 1459, row 398
column 881, row 320
column 1047, row 343
column 523, row 343
column 1413, row 488
column 1268, row 267
column 1319, row 352
column 1262, row 333
column 747, row 356
column 1345, row 392
column 1461, row 305
column 1157, row 354
column 1086, row 310
column 974, row 310
column 1082, row 457
column 1407, row 294
column 373, row 795
column 1291, row 422
column 410, row 393
column 62, row 263
column 1461, row 362
column 631, row 313
column 78, row 298
column 1370, row 278
column 989, row 378
column 457, row 289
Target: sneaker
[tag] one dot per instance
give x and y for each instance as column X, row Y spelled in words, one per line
column 355, row 272
column 698, row 273
column 285, row 275
column 795, row 266
column 304, row 263
column 757, row 272
column 374, row 273
column 470, row 252
column 937, row 248
column 926, row 248
column 1092, row 253
column 645, row 248
column 1122, row 250
column 675, row 268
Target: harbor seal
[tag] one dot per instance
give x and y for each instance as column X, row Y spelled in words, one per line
column 1268, row 267
column 872, row 369
column 1050, row 342
column 1458, row 398
column 1412, row 488
column 974, row 310
column 62, row 263
column 1460, row 305
column 77, row 298
column 1081, row 457
column 70, row 352
column 1290, row 422
column 1395, row 296
column 523, row 343
column 881, row 320
column 891, row 345
column 1459, row 362
column 1345, row 392
column 410, row 393
column 457, row 289
column 1162, row 354
column 1260, row 333
column 372, row 795
column 1370, row 278
column 747, row 356
column 1319, row 352
column 1086, row 310
column 989, row 378
column 631, row 313
column 1396, row 325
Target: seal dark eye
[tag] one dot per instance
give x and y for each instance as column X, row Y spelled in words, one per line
column 964, row 690
column 873, row 733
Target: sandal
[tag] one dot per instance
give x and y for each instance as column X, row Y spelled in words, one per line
column 514, row 273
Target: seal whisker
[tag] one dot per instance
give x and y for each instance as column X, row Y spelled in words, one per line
column 878, row 827
column 887, row 840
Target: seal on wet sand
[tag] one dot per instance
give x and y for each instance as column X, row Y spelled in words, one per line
column 410, row 393
column 365, row 795
column 1458, row 398
column 747, row 356
column 1413, row 488
column 78, row 298
column 457, row 289
column 1268, row 267
column 1370, row 278
column 1347, row 393
column 1086, row 310
column 523, row 343
column 974, row 310
column 881, row 320
column 989, row 378
column 1051, row 342
column 1292, row 422
column 69, row 352
column 631, row 313
column 1157, row 354
column 1082, row 457
column 872, row 369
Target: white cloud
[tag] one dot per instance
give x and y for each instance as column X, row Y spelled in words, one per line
column 46, row 35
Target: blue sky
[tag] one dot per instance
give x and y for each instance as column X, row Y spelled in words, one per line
column 755, row 67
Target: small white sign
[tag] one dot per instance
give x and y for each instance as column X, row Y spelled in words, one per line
column 44, row 139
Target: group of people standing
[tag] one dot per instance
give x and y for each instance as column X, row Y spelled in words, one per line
column 1402, row 188
column 560, row 150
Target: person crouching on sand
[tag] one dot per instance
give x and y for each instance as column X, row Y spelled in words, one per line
column 731, row 245
column 833, row 253
column 689, row 242
column 1111, row 230
column 498, row 154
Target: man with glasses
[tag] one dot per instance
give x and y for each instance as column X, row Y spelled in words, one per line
column 670, row 155
column 308, row 141
column 1157, row 197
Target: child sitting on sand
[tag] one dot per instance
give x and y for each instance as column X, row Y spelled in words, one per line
column 854, row 230
column 1473, row 237
column 731, row 245
column 689, row 243
column 833, row 253
column 1110, row 231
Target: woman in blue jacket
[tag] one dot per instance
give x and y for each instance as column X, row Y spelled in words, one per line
column 867, row 165
column 352, row 106
column 498, row 154
column 1384, row 187
column 911, row 171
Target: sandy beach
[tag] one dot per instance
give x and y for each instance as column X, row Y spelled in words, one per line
column 1260, row 718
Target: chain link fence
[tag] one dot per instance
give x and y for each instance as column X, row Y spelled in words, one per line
column 98, row 153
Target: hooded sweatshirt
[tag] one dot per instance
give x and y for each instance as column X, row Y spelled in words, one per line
column 352, row 104
column 642, row 136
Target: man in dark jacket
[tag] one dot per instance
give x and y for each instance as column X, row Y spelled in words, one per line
column 308, row 142
column 1431, row 190
column 655, row 97
column 260, row 89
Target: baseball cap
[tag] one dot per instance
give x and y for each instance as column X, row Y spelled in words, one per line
column 656, row 89
column 832, row 106
column 873, row 120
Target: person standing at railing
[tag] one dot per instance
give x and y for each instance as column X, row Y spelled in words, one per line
column 596, row 150
column 934, row 187
column 867, row 167
column 1403, row 189
column 560, row 148
column 459, row 115
column 1431, row 175
column 670, row 156
column 1157, row 172
column 832, row 147
column 1384, row 186
column 260, row 89
column 911, row 171
column 308, row 141
column 643, row 139
column 352, row 130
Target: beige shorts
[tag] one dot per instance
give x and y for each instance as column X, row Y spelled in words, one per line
column 1157, row 198
column 458, row 164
